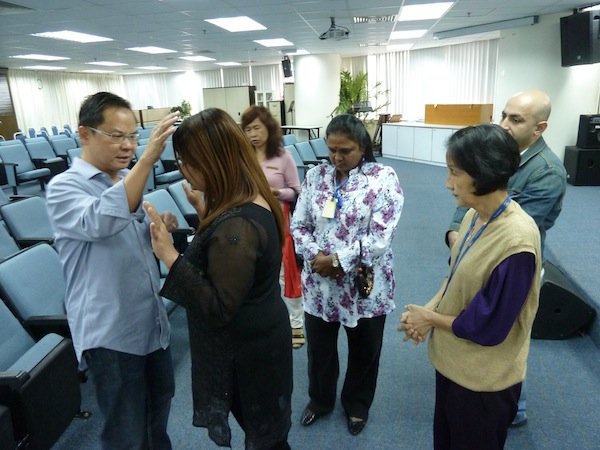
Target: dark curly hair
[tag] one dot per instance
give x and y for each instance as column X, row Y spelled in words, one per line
column 488, row 153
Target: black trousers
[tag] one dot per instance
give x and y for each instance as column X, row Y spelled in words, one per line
column 364, row 351
column 469, row 420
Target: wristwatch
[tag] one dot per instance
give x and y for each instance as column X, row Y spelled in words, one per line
column 335, row 261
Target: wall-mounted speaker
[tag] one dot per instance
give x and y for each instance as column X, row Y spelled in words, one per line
column 582, row 166
column 561, row 313
column 287, row 67
column 579, row 38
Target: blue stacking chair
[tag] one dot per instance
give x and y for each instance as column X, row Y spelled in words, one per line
column 19, row 167
column 39, row 382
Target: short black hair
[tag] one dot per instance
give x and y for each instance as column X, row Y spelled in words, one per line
column 92, row 109
column 355, row 130
column 488, row 153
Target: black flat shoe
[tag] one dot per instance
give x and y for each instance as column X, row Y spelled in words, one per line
column 308, row 417
column 356, row 426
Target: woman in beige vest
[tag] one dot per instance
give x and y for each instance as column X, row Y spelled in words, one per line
column 480, row 320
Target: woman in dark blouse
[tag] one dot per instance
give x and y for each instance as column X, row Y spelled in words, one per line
column 228, row 281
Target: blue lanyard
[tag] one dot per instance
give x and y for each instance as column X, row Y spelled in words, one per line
column 336, row 195
column 460, row 255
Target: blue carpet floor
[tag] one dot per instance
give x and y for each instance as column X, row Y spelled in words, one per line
column 563, row 378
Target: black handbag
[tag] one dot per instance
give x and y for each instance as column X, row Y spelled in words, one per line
column 364, row 278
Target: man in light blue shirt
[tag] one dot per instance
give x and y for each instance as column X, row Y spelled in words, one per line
column 118, row 322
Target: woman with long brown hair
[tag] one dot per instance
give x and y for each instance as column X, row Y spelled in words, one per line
column 227, row 280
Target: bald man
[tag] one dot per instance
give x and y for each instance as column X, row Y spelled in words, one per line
column 540, row 182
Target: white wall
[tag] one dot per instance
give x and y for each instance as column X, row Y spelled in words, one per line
column 529, row 58
column 317, row 88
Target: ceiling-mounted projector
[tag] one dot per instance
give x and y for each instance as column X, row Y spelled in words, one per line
column 335, row 32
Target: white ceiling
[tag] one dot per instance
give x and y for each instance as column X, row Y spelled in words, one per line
column 179, row 25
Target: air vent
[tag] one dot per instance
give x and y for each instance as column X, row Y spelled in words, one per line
column 374, row 19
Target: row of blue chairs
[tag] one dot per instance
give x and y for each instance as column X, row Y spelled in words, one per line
column 307, row 154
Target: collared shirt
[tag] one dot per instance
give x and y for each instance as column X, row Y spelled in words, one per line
column 112, row 277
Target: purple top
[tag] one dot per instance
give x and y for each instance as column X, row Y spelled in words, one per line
column 493, row 311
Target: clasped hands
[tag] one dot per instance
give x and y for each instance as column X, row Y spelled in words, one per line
column 322, row 264
column 415, row 323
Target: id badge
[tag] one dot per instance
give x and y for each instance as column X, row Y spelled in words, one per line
column 329, row 209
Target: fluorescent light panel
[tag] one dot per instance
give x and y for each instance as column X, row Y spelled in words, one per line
column 486, row 28
column 106, row 63
column 427, row 11
column 151, row 50
column 75, row 36
column 41, row 57
column 98, row 71
column 43, row 68
column 236, row 24
column 152, row 68
column 274, row 42
column 407, row 34
column 374, row 19
column 230, row 63
column 197, row 58
column 300, row 51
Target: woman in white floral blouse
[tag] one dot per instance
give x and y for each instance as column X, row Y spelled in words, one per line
column 346, row 215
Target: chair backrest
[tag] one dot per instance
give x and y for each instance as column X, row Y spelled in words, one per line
column 8, row 246
column 28, row 220
column 39, row 148
column 14, row 339
column 294, row 152
column 159, row 167
column 15, row 152
column 73, row 153
column 289, row 139
column 168, row 153
column 306, row 151
column 32, row 282
column 319, row 146
column 178, row 194
column 145, row 131
column 163, row 202
column 62, row 143
column 31, row 132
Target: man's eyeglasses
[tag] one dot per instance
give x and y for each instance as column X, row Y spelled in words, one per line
column 118, row 138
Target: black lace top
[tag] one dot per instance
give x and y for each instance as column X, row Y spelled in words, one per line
column 228, row 280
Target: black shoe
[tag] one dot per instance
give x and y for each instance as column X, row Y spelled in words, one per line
column 356, row 426
column 308, row 417
column 519, row 424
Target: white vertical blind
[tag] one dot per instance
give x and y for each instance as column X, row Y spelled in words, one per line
column 463, row 73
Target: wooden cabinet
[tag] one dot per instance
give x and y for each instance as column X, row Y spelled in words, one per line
column 467, row 114
column 233, row 100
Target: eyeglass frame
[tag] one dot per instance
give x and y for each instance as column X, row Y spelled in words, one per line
column 118, row 138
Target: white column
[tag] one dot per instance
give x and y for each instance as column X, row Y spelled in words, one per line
column 316, row 88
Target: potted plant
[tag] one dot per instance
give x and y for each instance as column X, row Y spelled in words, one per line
column 354, row 91
column 185, row 109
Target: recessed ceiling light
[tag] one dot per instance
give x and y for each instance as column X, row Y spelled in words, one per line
column 72, row 36
column 41, row 57
column 106, row 63
column 43, row 68
column 230, row 63
column 197, row 58
column 152, row 50
column 424, row 12
column 152, row 68
column 274, row 42
column 407, row 34
column 235, row 24
column 98, row 71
